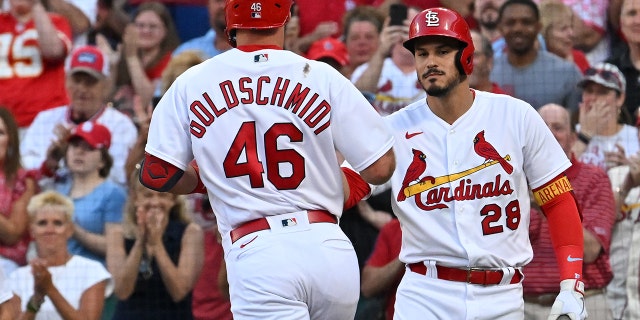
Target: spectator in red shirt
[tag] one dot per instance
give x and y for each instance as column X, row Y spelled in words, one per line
column 34, row 46
column 383, row 270
column 594, row 196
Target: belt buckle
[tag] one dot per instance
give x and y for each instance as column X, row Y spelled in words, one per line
column 471, row 270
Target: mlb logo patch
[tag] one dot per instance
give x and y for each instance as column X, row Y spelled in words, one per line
column 261, row 57
column 256, row 15
column 289, row 222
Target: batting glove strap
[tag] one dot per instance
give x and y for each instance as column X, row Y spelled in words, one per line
column 570, row 301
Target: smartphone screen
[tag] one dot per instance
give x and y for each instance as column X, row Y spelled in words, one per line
column 398, row 13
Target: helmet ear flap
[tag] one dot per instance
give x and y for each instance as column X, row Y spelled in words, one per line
column 459, row 61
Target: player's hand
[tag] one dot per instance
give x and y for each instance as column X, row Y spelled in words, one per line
column 570, row 301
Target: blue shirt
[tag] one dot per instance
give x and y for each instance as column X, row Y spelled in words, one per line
column 204, row 44
column 500, row 45
column 102, row 205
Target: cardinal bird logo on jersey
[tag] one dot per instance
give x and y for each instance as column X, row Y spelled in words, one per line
column 415, row 170
column 484, row 149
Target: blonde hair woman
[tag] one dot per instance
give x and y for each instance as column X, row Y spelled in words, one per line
column 57, row 284
column 558, row 32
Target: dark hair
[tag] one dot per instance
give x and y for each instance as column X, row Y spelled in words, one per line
column 12, row 156
column 168, row 44
column 362, row 13
column 105, row 156
column 108, row 162
column 528, row 3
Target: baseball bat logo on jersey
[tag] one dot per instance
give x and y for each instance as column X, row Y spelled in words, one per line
column 436, row 196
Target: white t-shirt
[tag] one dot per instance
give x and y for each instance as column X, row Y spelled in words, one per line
column 5, row 290
column 71, row 280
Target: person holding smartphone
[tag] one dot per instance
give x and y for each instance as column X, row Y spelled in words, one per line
column 390, row 74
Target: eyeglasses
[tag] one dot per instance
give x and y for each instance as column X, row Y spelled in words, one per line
column 607, row 75
column 150, row 26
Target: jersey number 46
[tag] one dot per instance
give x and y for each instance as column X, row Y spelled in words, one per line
column 246, row 140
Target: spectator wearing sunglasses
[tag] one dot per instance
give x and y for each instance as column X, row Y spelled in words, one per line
column 605, row 140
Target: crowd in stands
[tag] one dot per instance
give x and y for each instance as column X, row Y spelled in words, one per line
column 81, row 238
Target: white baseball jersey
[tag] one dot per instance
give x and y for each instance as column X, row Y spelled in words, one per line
column 472, row 210
column 263, row 127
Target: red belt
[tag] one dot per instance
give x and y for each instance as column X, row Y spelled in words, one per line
column 474, row 276
column 315, row 216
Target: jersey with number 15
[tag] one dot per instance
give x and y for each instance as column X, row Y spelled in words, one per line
column 30, row 83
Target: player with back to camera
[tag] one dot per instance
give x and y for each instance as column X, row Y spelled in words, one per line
column 264, row 125
column 465, row 162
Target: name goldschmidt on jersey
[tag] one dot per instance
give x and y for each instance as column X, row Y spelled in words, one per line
column 300, row 101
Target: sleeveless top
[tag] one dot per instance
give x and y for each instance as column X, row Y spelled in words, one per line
column 150, row 299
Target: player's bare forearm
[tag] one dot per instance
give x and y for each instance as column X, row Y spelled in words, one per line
column 187, row 183
column 381, row 170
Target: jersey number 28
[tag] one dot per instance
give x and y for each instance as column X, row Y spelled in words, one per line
column 246, row 140
column 492, row 214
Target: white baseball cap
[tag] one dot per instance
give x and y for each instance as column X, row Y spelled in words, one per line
column 605, row 74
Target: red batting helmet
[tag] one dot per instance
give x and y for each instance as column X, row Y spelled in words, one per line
column 447, row 23
column 255, row 14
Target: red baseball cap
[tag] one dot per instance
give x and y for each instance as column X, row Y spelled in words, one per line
column 95, row 134
column 329, row 48
column 88, row 59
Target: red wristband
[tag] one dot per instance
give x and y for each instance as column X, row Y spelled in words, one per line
column 357, row 186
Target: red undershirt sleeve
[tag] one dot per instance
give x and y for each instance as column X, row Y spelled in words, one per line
column 557, row 201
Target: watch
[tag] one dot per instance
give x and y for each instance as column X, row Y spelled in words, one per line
column 584, row 138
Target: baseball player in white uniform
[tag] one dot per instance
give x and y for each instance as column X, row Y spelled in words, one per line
column 263, row 125
column 466, row 160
